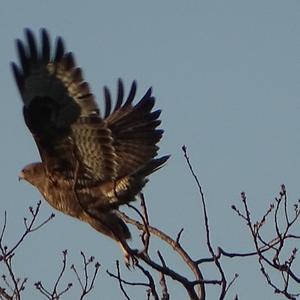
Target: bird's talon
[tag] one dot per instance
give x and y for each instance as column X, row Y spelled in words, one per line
column 130, row 259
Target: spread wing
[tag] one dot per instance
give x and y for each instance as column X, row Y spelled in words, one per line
column 133, row 127
column 64, row 119
column 61, row 112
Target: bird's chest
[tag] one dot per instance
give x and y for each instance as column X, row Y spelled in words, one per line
column 62, row 197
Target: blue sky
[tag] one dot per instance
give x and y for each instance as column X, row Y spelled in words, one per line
column 225, row 74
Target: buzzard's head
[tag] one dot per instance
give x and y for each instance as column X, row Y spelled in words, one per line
column 33, row 173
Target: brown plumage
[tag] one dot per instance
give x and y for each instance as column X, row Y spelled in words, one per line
column 90, row 164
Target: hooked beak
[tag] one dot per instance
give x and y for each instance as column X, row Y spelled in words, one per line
column 21, row 176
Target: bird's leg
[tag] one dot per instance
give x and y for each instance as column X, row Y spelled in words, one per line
column 129, row 254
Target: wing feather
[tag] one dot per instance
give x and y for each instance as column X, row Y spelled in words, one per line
column 46, row 46
column 134, row 128
column 120, row 95
column 108, row 101
column 61, row 112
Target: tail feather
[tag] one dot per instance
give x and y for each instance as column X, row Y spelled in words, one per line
column 110, row 224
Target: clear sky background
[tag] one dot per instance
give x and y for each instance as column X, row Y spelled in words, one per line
column 225, row 74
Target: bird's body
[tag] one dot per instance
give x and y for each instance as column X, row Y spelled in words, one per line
column 90, row 164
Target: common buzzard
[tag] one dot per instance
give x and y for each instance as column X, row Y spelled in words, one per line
column 91, row 164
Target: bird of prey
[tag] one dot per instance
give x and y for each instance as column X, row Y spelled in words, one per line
column 90, row 163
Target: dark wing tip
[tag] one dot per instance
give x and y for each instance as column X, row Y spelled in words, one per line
column 148, row 93
column 45, row 44
column 18, row 75
column 59, row 49
column 69, row 61
column 159, row 162
column 22, row 55
column 33, row 54
column 119, row 98
column 28, row 51
column 146, row 103
column 107, row 98
column 131, row 94
column 77, row 74
column 163, row 159
column 155, row 114
column 120, row 94
column 153, row 165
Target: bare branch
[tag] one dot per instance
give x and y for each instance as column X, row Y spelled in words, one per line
column 86, row 284
column 55, row 294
